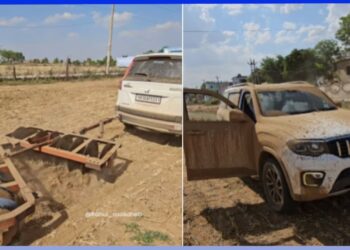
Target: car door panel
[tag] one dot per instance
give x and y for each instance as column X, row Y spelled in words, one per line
column 216, row 149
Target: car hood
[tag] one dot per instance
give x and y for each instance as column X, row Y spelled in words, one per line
column 315, row 125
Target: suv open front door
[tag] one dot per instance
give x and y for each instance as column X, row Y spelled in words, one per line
column 217, row 146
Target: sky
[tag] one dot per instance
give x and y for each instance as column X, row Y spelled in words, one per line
column 81, row 31
column 219, row 40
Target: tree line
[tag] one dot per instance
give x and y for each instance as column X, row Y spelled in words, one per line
column 10, row 57
column 306, row 64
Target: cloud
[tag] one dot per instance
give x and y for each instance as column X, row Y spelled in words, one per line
column 153, row 38
column 228, row 33
column 73, row 35
column 306, row 33
column 253, row 33
column 289, row 26
column 280, row 8
column 204, row 11
column 12, row 21
column 285, row 36
column 313, row 33
column 233, row 9
column 167, row 26
column 288, row 8
column 335, row 12
column 66, row 16
column 222, row 60
column 119, row 18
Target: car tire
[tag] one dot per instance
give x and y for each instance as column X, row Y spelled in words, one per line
column 277, row 193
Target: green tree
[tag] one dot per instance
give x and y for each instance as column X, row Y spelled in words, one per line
column 89, row 62
column 104, row 61
column 7, row 56
column 56, row 60
column 45, row 61
column 76, row 62
column 35, row 60
column 326, row 52
column 272, row 69
column 343, row 33
column 300, row 65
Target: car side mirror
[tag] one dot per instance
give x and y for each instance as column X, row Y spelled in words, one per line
column 237, row 115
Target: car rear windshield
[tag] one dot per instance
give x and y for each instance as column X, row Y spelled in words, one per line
column 160, row 69
column 290, row 102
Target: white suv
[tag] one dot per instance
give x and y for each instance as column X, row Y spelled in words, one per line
column 150, row 94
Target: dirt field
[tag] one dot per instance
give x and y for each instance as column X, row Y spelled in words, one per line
column 232, row 212
column 148, row 181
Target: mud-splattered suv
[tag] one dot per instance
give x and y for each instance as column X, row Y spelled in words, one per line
column 291, row 135
column 150, row 94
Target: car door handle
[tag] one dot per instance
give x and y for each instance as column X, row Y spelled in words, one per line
column 127, row 86
column 195, row 132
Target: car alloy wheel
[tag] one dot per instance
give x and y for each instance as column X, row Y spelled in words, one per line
column 276, row 189
column 273, row 184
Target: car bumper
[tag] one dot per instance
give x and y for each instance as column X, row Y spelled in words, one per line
column 158, row 122
column 336, row 178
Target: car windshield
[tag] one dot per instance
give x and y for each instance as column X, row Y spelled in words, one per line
column 162, row 69
column 290, row 102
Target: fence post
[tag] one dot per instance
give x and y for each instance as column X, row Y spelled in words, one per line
column 14, row 72
column 67, row 69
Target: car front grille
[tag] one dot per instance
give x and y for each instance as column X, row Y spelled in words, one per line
column 340, row 147
column 342, row 182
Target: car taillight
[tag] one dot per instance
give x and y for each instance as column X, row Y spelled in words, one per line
column 125, row 74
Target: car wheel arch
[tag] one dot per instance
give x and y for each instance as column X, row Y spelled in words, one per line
column 267, row 153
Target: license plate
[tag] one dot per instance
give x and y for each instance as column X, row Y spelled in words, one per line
column 148, row 98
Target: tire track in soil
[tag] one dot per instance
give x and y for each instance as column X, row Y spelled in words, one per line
column 232, row 212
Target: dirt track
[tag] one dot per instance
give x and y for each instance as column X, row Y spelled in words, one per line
column 232, row 212
column 147, row 181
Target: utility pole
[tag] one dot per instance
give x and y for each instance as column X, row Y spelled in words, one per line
column 109, row 51
column 252, row 64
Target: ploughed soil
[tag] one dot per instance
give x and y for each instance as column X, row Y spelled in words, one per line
column 232, row 212
column 140, row 206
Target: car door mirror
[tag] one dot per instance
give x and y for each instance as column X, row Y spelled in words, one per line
column 237, row 115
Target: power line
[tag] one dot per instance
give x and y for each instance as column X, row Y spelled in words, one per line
column 239, row 29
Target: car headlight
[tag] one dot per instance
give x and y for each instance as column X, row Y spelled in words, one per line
column 308, row 147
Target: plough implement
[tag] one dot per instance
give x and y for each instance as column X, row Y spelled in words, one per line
column 16, row 200
column 92, row 153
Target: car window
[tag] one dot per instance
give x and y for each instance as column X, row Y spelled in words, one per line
column 234, row 97
column 160, row 69
column 247, row 105
column 289, row 102
column 202, row 107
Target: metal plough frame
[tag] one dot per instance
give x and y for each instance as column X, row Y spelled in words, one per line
column 92, row 153
column 9, row 222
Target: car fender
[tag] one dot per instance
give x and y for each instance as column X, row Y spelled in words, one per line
column 273, row 152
